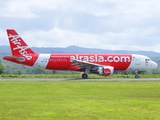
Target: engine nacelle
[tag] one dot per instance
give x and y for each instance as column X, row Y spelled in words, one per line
column 106, row 70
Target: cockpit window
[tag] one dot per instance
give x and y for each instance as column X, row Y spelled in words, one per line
column 147, row 60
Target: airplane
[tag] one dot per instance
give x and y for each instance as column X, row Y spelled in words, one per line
column 101, row 64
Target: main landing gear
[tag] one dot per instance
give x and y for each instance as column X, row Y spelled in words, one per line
column 84, row 76
column 136, row 75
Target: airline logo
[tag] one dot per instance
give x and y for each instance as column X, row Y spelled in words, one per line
column 15, row 40
column 106, row 71
column 100, row 58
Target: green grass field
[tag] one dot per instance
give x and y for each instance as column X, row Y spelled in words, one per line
column 79, row 100
column 76, row 75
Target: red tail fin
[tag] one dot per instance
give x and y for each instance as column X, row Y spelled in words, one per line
column 18, row 46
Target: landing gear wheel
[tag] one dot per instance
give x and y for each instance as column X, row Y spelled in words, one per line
column 84, row 76
column 136, row 76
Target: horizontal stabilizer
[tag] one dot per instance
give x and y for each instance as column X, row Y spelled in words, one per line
column 20, row 59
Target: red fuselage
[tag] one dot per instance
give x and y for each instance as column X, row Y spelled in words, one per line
column 64, row 61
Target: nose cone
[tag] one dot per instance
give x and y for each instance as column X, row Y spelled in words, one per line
column 154, row 65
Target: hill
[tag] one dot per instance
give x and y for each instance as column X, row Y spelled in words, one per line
column 5, row 50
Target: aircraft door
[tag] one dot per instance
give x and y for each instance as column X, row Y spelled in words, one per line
column 137, row 61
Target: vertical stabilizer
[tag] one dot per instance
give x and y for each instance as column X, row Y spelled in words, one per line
column 18, row 46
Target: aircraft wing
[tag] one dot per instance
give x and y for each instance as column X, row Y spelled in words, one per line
column 84, row 64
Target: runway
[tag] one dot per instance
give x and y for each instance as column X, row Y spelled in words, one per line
column 80, row 80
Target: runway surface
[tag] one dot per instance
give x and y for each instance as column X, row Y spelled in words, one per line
column 81, row 80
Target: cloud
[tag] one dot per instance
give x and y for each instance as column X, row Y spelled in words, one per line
column 16, row 9
column 106, row 24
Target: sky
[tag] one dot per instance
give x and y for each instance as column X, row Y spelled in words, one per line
column 104, row 24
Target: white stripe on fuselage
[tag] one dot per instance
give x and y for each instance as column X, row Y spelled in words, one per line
column 42, row 61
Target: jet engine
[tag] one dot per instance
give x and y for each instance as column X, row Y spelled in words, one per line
column 106, row 70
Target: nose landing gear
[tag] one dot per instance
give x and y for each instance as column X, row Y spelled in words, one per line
column 136, row 75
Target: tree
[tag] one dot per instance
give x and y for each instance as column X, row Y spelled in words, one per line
column 39, row 70
column 1, row 67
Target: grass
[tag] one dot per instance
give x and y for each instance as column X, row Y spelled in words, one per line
column 80, row 100
column 76, row 75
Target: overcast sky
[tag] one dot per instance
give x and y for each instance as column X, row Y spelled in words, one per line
column 106, row 24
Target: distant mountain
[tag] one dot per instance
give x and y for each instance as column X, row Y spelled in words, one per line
column 5, row 50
